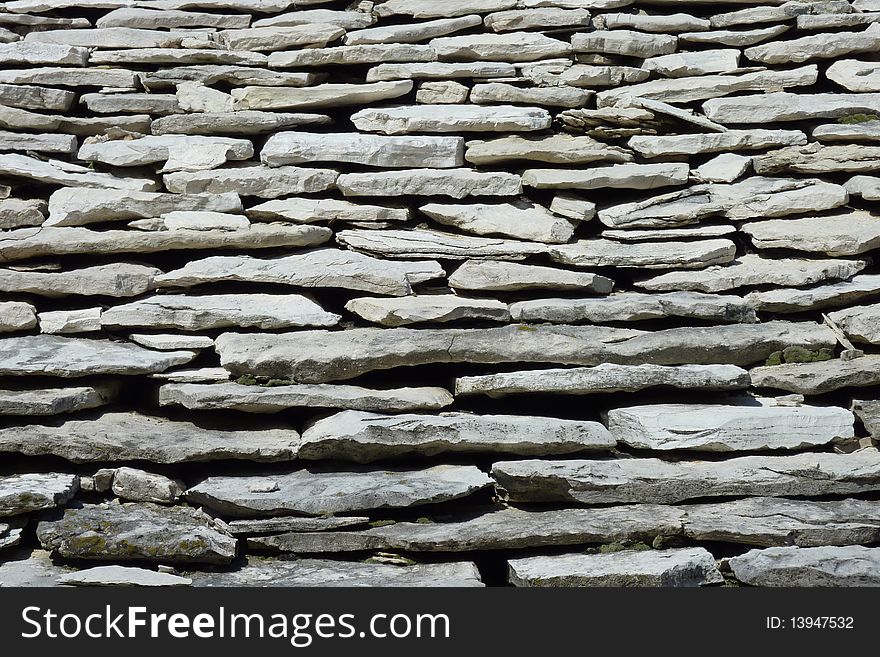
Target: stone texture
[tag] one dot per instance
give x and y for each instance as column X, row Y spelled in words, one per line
column 813, row 566
column 456, row 183
column 512, row 47
column 122, row 576
column 113, row 280
column 825, row 46
column 309, row 210
column 487, row 276
column 264, row 182
column 25, row 493
column 556, row 149
column 624, row 42
column 140, row 486
column 792, row 300
column 845, row 234
column 782, row 106
column 320, row 96
column 55, row 401
column 646, row 255
column 403, row 311
column 855, row 75
column 177, row 152
column 15, row 165
column 16, row 316
column 627, row 176
column 442, row 118
column 521, row 220
column 732, row 140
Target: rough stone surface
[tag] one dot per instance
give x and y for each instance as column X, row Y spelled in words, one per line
column 28, row 492
column 819, row 378
column 812, row 566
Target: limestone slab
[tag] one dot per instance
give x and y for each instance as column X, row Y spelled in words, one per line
column 28, row 492
column 488, row 276
column 114, row 280
column 442, row 118
column 404, row 311
column 457, row 183
column 812, row 566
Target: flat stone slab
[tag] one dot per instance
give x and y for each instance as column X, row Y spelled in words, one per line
column 869, row 413
column 162, row 341
column 139, row 532
column 650, row 480
column 24, row 568
column 457, row 183
column 812, row 566
column 198, row 313
column 244, row 122
column 624, row 42
column 276, row 398
column 175, row 152
column 319, row 96
column 25, row 493
column 504, row 529
column 824, row 46
column 321, row 356
column 515, row 47
column 122, row 576
column 753, row 270
column 131, row 436
column 521, row 220
column 293, row 524
column 370, row 150
column 604, row 378
column 854, row 75
column 261, row 181
column 54, row 172
column 819, row 378
column 644, row 255
column 681, row 567
column 17, row 316
column 440, row 71
column 54, row 355
column 860, row 323
column 309, row 210
column 321, row 268
column 625, row 176
column 489, row 276
column 435, row 244
column 724, row 428
column 781, row 106
column 554, row 149
column 844, row 234
column 774, row 521
column 320, row 492
column 404, row 311
column 367, row 437
column 731, row 140
column 318, row 572
column 359, row 54
column 456, row 118
column 55, row 401
column 409, row 32
column 114, row 280
column 633, row 307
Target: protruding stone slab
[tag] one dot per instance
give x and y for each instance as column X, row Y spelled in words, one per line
column 142, row 532
column 732, row 140
column 322, row 95
column 624, row 42
column 25, row 493
column 198, row 313
column 122, row 576
column 321, row 268
column 655, row 481
column 54, row 172
column 321, row 492
column 17, row 316
column 792, row 300
column 812, row 566
column 521, row 220
column 680, row 567
column 132, row 437
column 457, row 183
column 136, row 485
column 687, row 64
column 408, row 33
column 647, row 255
column 854, row 75
column 719, row 428
column 368, row 437
column 555, row 149
column 280, row 38
column 55, row 401
column 114, row 280
column 604, row 378
column 626, row 176
column 177, row 152
column 819, row 378
column 265, row 182
column 275, row 398
column 488, row 276
column 844, row 234
column 458, row 118
column 30, row 53
column 824, row 46
column 315, row 210
column 781, row 106
column 403, row 311
column 513, row 47
column 818, row 159
column 244, row 122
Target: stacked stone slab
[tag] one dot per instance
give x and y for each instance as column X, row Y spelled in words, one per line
column 328, row 292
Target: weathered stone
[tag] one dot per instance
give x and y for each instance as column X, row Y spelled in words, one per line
column 768, row 521
column 627, row 176
column 322, row 268
column 110, row 37
column 245, row 122
column 868, row 187
column 28, row 97
column 88, row 126
column 322, row 492
column 177, row 152
column 33, row 242
column 87, row 320
column 412, row 33
column 868, row 131
column 751, row 426
column 854, row 75
column 25, row 493
column 17, row 316
column 320, row 356
column 512, row 47
column 751, row 270
column 655, row 481
column 323, row 95
column 556, row 149
column 345, row 19
column 646, row 255
column 55, row 401
column 55, row 172
column 499, row 92
column 15, row 141
column 860, row 323
column 869, row 414
column 457, row 183
column 352, row 55
column 680, row 567
column 293, row 524
column 633, row 307
column 368, row 437
column 436, row 93
column 71, row 77
column 817, row 159
column 789, row 300
column 825, row 46
column 280, row 38
column 315, row 572
column 831, row 21
column 685, row 90
column 199, row 313
column 586, row 75
column 31, row 53
column 775, row 14
column 403, row 311
column 732, row 140
column 687, row 64
column 573, row 206
column 507, row 528
column 521, row 220
column 143, row 532
column 442, row 118
column 140, row 486
column 528, row 19
column 426, row 9
column 177, row 56
column 845, row 234
column 781, row 106
column 821, row 377
column 189, row 220
column 194, row 375
column 604, row 378
column 208, row 74
column 261, row 181
column 668, row 24
column 275, row 398
column 169, row 18
column 734, row 38
column 309, row 210
column 488, row 276
column 140, row 103
column 440, row 71
column 724, row 168
column 624, row 42
column 650, row 235
column 370, row 150
column 14, row 118
column 122, row 576
column 165, row 342
column 115, row 280
column 130, row 436
column 810, row 566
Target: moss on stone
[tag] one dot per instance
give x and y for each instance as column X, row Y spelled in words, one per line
column 858, row 118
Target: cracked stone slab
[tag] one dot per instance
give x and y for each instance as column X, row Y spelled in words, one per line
column 176, row 152
column 56, row 401
column 321, row 268
column 132, row 436
column 491, row 276
column 170, row 342
column 843, row 234
column 404, row 311
column 321, row 356
column 815, row 46
column 687, row 64
column 499, row 92
column 604, row 378
column 504, row 529
column 647, row 255
column 868, row 131
column 52, row 355
column 320, row 492
column 851, row 565
column 651, row 480
column 819, row 378
column 434, row 244
column 142, row 532
column 860, row 323
column 353, row 55
column 751, row 426
column 368, row 437
column 753, row 270
column 276, row 398
column 413, row 32
column 458, row 118
column 679, row 567
column 244, row 122
column 441, row 71
column 198, row 313
column 135, row 485
column 55, row 172
column 120, row 279
column 280, row 38
column 293, row 524
column 832, row 295
column 521, row 220
column 16, row 213
column 28, row 492
column 457, row 183
column 818, row 159
column 30, row 53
